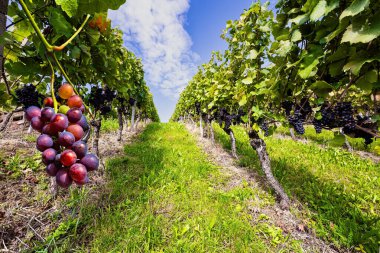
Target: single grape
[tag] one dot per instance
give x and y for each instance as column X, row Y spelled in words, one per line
column 49, row 130
column 37, row 123
column 63, row 178
column 66, row 139
column 47, row 114
column 59, row 122
column 83, row 123
column 48, row 156
column 52, row 169
column 68, row 157
column 80, row 148
column 76, row 130
column 48, row 102
column 65, row 91
column 63, row 109
column 75, row 101
column 78, row 172
column 31, row 112
column 74, row 115
column 44, row 142
column 90, row 161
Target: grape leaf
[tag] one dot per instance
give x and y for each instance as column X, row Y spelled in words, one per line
column 95, row 6
column 59, row 22
column 321, row 88
column 296, row 36
column 299, row 20
column 356, row 63
column 68, row 6
column 355, row 8
column 364, row 34
column 318, row 11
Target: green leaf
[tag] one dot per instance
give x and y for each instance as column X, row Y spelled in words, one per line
column 68, row 6
column 284, row 47
column 318, row 11
column 338, row 140
column 247, row 80
column 321, row 88
column 356, row 63
column 253, row 54
column 308, row 67
column 355, row 8
column 296, row 36
column 243, row 100
column 59, row 22
column 366, row 81
column 363, row 34
column 95, row 6
column 299, row 20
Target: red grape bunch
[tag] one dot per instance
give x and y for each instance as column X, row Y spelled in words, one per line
column 61, row 141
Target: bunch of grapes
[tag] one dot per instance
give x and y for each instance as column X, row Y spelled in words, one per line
column 61, row 141
column 28, row 96
column 328, row 116
column 344, row 115
column 265, row 128
column 239, row 116
column 297, row 122
column 288, row 106
column 101, row 99
column 317, row 126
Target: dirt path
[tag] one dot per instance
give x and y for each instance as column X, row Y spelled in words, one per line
column 287, row 221
column 27, row 211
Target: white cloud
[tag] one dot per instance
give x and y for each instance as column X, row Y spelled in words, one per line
column 153, row 29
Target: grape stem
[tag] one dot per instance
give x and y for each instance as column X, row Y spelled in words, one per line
column 69, row 81
column 61, row 47
column 52, row 86
column 49, row 47
column 367, row 131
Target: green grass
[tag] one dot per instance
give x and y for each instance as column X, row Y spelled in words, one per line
column 109, row 125
column 340, row 190
column 164, row 196
column 326, row 138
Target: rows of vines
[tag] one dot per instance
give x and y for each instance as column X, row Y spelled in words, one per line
column 62, row 59
column 313, row 62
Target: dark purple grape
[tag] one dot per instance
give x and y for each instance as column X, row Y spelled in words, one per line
column 74, row 115
column 66, row 139
column 52, row 169
column 48, row 156
column 44, row 142
column 90, row 161
column 78, row 172
column 50, row 130
column 47, row 114
column 37, row 123
column 83, row 123
column 63, row 178
column 31, row 112
column 80, row 148
column 59, row 122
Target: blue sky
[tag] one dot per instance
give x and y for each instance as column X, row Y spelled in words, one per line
column 173, row 37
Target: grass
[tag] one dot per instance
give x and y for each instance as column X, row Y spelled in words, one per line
column 109, row 125
column 164, row 196
column 340, row 190
column 327, row 137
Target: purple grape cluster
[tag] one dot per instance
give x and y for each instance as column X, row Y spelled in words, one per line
column 64, row 152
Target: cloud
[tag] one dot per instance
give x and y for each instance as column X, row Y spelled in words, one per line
column 154, row 30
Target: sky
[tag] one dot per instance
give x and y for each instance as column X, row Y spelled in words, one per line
column 174, row 37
